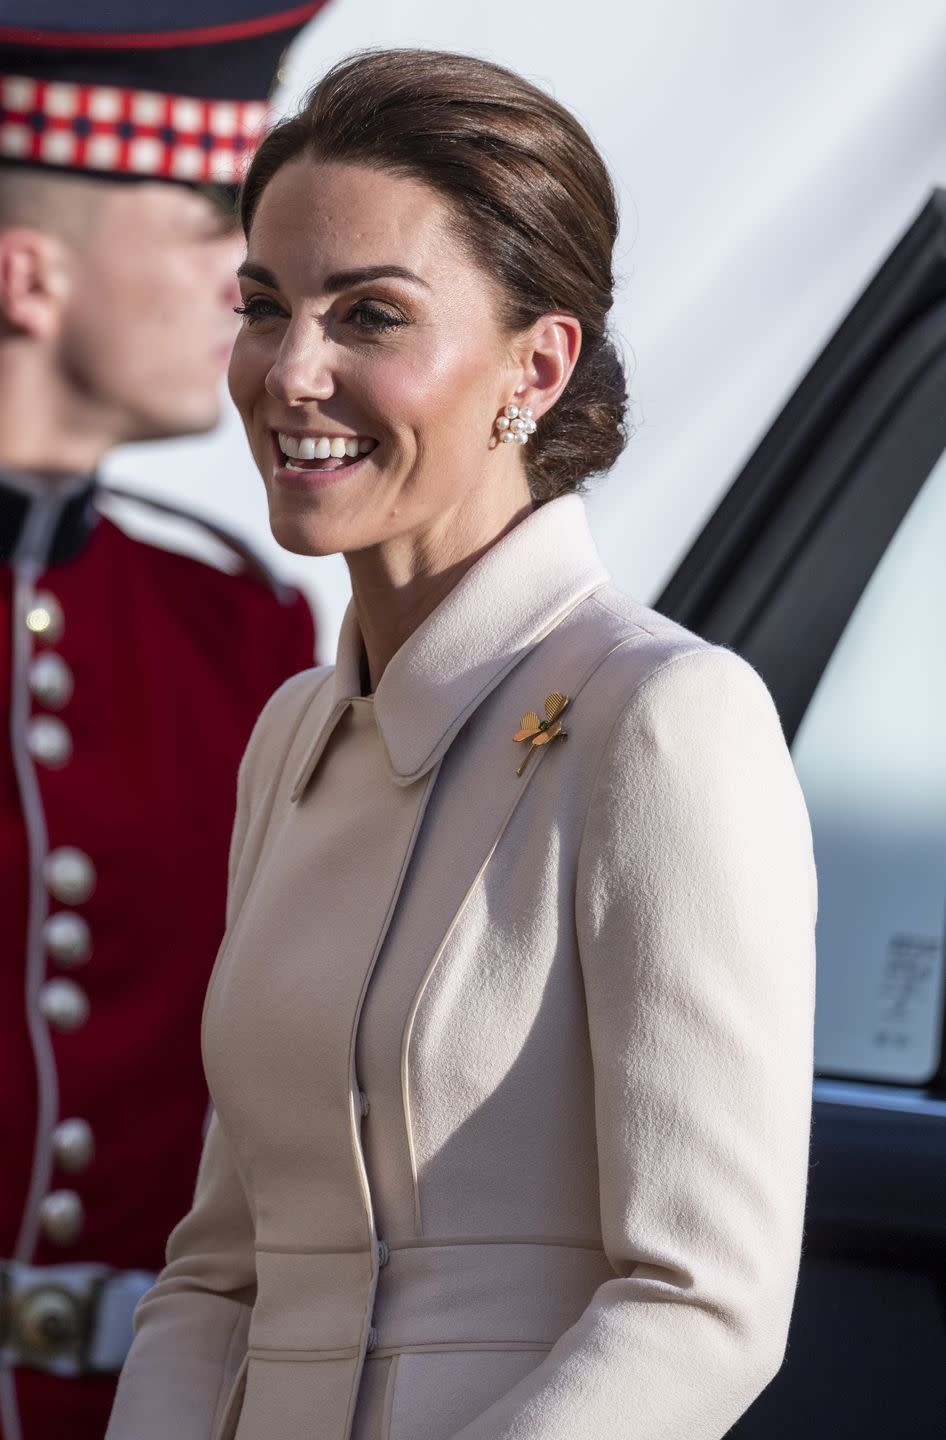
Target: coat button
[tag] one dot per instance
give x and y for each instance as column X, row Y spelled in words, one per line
column 69, row 875
column 61, row 1216
column 73, row 1145
column 51, row 681
column 67, row 938
column 384, row 1253
column 363, row 1104
column 64, row 1005
column 48, row 741
column 45, row 619
column 47, row 1319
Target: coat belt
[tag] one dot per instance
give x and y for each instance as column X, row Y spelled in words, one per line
column 428, row 1296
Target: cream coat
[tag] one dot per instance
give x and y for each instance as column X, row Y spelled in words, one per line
column 579, row 1005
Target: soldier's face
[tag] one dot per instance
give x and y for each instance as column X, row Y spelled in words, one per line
column 149, row 324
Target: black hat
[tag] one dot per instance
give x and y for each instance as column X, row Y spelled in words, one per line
column 168, row 89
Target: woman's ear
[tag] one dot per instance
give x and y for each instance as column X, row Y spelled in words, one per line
column 34, row 282
column 547, row 354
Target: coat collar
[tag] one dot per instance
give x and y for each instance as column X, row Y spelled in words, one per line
column 505, row 604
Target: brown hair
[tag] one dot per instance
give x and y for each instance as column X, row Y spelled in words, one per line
column 532, row 200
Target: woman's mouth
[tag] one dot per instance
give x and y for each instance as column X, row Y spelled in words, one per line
column 320, row 452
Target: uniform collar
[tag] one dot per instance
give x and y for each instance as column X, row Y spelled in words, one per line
column 514, row 595
column 44, row 522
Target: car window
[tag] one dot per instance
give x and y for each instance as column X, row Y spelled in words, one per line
column 871, row 756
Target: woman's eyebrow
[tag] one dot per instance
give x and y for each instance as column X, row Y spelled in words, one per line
column 348, row 279
column 341, row 279
column 258, row 272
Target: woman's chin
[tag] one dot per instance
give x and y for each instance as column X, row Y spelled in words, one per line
column 302, row 539
column 307, row 534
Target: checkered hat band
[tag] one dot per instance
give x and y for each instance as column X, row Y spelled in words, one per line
column 128, row 132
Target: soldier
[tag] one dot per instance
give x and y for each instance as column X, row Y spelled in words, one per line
column 130, row 675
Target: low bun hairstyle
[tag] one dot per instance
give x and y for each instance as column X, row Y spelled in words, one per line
column 532, row 203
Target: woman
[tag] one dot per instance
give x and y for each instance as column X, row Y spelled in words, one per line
column 509, row 1038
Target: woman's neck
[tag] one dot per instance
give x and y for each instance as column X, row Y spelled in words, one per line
column 397, row 584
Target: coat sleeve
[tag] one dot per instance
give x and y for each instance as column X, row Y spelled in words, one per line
column 695, row 917
column 191, row 1327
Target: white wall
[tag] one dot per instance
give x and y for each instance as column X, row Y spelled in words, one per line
column 767, row 154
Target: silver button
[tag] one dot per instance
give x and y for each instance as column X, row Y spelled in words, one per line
column 61, row 1216
column 363, row 1104
column 48, row 741
column 64, row 1005
column 51, row 681
column 384, row 1253
column 372, row 1341
column 69, row 875
column 45, row 618
column 73, row 1145
column 67, row 938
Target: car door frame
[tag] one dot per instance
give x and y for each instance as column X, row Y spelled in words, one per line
column 776, row 574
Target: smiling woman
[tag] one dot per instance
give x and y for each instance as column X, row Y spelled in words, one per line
column 402, row 348
column 526, row 197
column 509, row 1040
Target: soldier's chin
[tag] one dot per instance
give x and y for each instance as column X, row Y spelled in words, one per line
column 192, row 415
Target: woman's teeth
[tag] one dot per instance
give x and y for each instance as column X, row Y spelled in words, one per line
column 323, row 447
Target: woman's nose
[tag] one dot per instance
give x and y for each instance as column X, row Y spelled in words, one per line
column 300, row 371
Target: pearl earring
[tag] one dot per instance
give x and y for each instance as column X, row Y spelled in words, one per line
column 515, row 425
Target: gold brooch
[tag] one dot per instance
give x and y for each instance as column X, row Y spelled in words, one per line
column 541, row 732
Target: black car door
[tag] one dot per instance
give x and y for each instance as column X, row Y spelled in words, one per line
column 825, row 566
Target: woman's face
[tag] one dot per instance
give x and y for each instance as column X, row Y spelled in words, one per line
column 368, row 330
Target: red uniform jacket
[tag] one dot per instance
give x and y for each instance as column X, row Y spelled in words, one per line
column 125, row 748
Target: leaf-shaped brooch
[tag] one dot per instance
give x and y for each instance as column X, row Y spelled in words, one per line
column 542, row 732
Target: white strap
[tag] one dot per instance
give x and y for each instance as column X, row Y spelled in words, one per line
column 113, row 1328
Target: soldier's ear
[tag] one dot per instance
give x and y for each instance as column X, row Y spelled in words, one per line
column 34, row 282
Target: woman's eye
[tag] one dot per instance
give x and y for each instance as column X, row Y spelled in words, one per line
column 366, row 316
column 257, row 307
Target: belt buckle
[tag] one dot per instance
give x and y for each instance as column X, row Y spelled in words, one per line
column 47, row 1324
